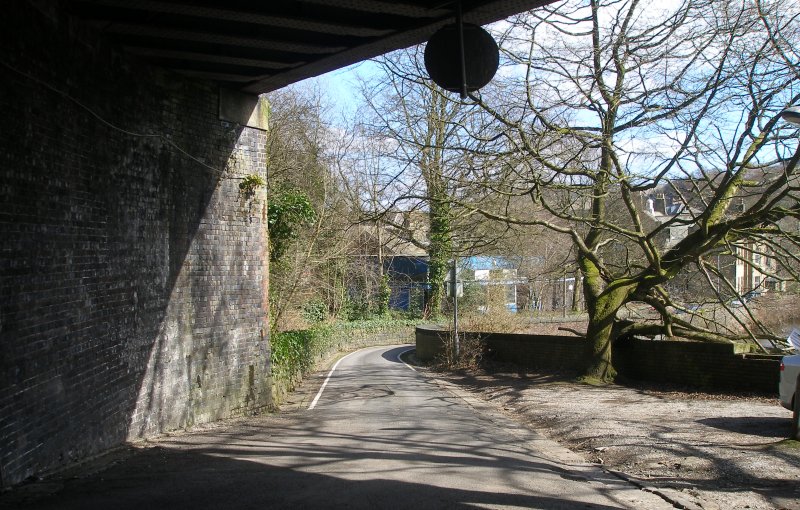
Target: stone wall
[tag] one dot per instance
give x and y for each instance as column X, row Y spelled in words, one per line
column 533, row 351
column 132, row 273
column 693, row 364
column 702, row 365
column 431, row 342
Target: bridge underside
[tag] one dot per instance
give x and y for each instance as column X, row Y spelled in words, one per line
column 133, row 277
column 262, row 46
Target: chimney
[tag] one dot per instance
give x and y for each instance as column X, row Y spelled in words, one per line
column 660, row 205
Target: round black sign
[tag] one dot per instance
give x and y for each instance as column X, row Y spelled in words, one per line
column 443, row 58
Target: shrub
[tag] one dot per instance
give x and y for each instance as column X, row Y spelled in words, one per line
column 471, row 348
column 295, row 353
column 315, row 312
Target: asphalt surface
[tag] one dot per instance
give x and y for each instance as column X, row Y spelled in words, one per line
column 380, row 435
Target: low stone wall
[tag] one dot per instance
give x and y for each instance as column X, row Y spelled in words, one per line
column 430, row 342
column 541, row 351
column 694, row 364
column 702, row 365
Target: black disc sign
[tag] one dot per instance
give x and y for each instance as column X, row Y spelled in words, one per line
column 443, row 57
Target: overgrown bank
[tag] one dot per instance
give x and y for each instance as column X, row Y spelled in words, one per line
column 296, row 353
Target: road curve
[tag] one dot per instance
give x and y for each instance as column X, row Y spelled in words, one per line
column 380, row 435
column 437, row 451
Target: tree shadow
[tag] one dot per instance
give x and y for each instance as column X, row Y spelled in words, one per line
column 393, row 355
column 302, row 463
column 761, row 426
column 687, row 457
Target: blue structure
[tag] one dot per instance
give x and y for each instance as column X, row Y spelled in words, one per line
column 408, row 280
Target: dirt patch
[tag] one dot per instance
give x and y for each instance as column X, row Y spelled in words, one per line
column 702, row 450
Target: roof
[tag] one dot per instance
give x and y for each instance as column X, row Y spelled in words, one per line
column 259, row 46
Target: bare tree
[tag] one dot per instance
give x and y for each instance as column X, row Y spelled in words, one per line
column 310, row 263
column 603, row 103
column 423, row 134
column 362, row 170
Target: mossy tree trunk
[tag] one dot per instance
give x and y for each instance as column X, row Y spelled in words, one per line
column 440, row 248
column 602, row 304
column 439, row 254
column 624, row 115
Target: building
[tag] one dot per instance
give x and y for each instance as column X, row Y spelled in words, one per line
column 750, row 267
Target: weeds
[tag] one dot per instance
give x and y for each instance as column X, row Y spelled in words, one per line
column 471, row 348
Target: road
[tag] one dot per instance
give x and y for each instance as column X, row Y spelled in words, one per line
column 380, row 435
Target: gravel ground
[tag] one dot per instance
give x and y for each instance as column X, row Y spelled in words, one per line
column 699, row 450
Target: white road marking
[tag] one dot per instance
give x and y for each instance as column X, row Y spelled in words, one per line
column 400, row 359
column 333, row 369
column 322, row 388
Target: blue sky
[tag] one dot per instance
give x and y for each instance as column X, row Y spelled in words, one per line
column 341, row 89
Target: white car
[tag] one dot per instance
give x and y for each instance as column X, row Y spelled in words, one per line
column 790, row 368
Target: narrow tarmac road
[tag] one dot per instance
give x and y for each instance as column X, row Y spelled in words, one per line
column 379, row 435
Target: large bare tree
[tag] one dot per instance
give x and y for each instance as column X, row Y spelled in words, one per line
column 604, row 102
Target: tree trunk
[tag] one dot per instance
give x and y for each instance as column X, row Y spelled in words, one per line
column 440, row 249
column 603, row 301
column 437, row 272
column 598, row 334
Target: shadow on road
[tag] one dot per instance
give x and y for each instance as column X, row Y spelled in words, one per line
column 393, row 355
column 236, row 470
column 414, row 447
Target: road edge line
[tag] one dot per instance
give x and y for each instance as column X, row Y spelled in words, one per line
column 400, row 358
column 324, row 384
column 335, row 365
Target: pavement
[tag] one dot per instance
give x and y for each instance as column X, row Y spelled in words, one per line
column 378, row 435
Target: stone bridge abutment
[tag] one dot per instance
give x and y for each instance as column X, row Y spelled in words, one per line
column 133, row 273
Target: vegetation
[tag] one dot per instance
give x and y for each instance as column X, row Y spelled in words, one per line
column 601, row 108
column 627, row 100
column 309, row 214
column 418, row 117
column 249, row 184
column 289, row 210
column 295, row 353
column 425, row 152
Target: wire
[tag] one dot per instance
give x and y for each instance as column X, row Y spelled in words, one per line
column 164, row 138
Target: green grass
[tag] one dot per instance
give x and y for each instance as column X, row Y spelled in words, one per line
column 787, row 444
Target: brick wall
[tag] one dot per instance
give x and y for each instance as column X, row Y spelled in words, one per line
column 703, row 365
column 700, row 365
column 132, row 275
